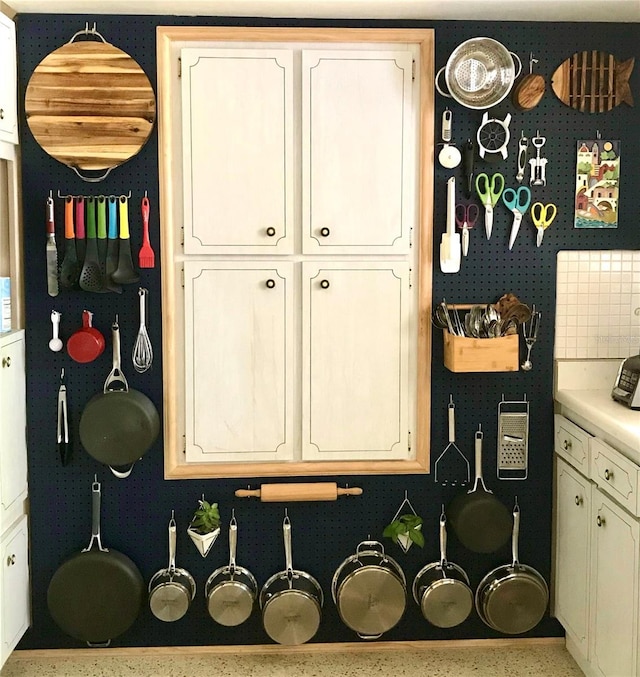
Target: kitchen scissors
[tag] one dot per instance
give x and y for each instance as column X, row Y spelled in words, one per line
column 517, row 201
column 489, row 191
column 466, row 217
column 543, row 216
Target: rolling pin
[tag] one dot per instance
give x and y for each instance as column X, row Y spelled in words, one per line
column 307, row 491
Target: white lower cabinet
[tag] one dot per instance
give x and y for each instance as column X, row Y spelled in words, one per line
column 597, row 556
column 14, row 586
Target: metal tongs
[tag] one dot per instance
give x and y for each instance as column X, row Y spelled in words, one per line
column 64, row 446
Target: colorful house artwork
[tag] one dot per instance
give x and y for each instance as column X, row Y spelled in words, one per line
column 597, row 183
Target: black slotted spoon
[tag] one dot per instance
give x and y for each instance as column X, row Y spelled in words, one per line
column 91, row 277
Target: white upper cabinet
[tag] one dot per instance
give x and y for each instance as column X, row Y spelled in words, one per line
column 237, row 125
column 357, row 163
column 8, row 81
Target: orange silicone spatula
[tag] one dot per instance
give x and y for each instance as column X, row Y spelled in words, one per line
column 146, row 256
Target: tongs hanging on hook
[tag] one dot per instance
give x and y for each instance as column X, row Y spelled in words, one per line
column 63, row 443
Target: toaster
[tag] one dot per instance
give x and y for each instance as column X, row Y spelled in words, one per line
column 626, row 390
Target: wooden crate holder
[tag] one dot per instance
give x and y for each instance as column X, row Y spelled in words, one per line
column 464, row 354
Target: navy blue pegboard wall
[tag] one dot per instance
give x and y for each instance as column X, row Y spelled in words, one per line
column 135, row 511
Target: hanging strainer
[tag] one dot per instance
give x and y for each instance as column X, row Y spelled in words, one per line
column 479, row 73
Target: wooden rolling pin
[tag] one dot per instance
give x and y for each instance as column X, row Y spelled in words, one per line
column 307, row 491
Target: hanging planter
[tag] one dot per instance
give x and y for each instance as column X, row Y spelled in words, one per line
column 204, row 527
column 406, row 527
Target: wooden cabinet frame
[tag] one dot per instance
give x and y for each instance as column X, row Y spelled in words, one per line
column 175, row 464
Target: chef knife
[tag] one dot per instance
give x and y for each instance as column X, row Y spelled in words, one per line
column 52, row 250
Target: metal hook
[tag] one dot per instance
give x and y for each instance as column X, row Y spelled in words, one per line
column 531, row 62
column 598, row 136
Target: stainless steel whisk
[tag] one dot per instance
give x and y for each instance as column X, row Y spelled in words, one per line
column 530, row 334
column 142, row 354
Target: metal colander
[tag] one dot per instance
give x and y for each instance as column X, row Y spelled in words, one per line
column 480, row 73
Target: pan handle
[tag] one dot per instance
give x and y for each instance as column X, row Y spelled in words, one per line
column 172, row 544
column 286, row 531
column 95, row 517
column 443, row 539
column 478, row 447
column 516, row 534
column 233, row 543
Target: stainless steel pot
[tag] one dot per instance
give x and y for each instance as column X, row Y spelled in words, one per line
column 171, row 590
column 231, row 590
column 370, row 591
column 441, row 589
column 512, row 598
column 479, row 73
column 291, row 601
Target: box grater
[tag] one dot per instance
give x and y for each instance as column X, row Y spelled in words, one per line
column 513, row 439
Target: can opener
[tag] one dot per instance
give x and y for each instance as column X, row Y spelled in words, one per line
column 523, row 149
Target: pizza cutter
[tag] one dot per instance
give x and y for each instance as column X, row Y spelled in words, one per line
column 449, row 156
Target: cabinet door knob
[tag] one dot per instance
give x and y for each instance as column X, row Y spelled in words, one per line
column 608, row 474
column 271, row 231
column 1, row 113
column 11, row 560
column 578, row 500
column 599, row 521
column 6, row 361
column 270, row 284
column 324, row 284
column 325, row 232
column 567, row 445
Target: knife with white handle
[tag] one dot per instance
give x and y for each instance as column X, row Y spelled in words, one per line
column 52, row 250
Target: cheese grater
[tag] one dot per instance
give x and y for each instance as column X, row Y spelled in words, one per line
column 513, row 439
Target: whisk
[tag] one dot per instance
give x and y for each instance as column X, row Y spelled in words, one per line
column 142, row 354
column 530, row 334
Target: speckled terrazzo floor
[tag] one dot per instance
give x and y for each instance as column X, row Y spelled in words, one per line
column 504, row 661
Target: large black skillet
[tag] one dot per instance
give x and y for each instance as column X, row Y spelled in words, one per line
column 96, row 594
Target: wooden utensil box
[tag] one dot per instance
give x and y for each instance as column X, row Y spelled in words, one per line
column 464, row 354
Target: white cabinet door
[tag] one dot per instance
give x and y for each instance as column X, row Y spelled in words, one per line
column 614, row 592
column 16, row 610
column 358, row 177
column 13, row 445
column 239, row 360
column 237, row 127
column 355, row 347
column 8, row 81
column 572, row 556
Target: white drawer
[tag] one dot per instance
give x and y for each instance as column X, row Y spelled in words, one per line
column 572, row 443
column 615, row 474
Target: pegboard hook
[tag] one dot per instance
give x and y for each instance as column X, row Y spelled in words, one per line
column 531, row 62
column 87, row 33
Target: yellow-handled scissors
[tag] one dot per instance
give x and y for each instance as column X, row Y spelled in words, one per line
column 489, row 192
column 542, row 216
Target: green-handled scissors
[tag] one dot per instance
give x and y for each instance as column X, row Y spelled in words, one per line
column 543, row 216
column 489, row 191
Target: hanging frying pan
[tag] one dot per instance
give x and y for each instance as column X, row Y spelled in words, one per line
column 96, row 594
column 480, row 521
column 89, row 105
column 119, row 424
column 512, row 598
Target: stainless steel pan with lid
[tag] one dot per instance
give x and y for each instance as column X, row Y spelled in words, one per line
column 512, row 598
column 370, row 591
column 231, row 590
column 291, row 601
column 441, row 589
column 172, row 589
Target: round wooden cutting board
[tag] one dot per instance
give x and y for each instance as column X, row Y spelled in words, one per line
column 90, row 106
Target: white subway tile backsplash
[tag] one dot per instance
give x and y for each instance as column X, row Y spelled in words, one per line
column 597, row 304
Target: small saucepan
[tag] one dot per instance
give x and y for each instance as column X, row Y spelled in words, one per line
column 171, row 590
column 370, row 591
column 291, row 601
column 87, row 343
column 512, row 598
column 231, row 590
column 441, row 589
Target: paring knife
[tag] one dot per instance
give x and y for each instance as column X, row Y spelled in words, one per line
column 52, row 250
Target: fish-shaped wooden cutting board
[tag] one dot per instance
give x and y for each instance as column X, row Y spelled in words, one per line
column 593, row 82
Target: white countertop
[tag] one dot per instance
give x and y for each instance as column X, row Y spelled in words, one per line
column 583, row 391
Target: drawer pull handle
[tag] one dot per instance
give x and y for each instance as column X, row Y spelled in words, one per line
column 1, row 113
column 599, row 521
column 325, row 232
column 11, row 560
column 6, row 361
column 324, row 284
column 608, row 474
column 271, row 231
column 567, row 445
column 578, row 500
column 270, row 284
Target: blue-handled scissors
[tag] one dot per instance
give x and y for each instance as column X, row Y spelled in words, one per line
column 518, row 202
column 466, row 217
column 543, row 216
column 489, row 191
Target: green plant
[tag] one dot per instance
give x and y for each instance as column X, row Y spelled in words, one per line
column 408, row 525
column 206, row 518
